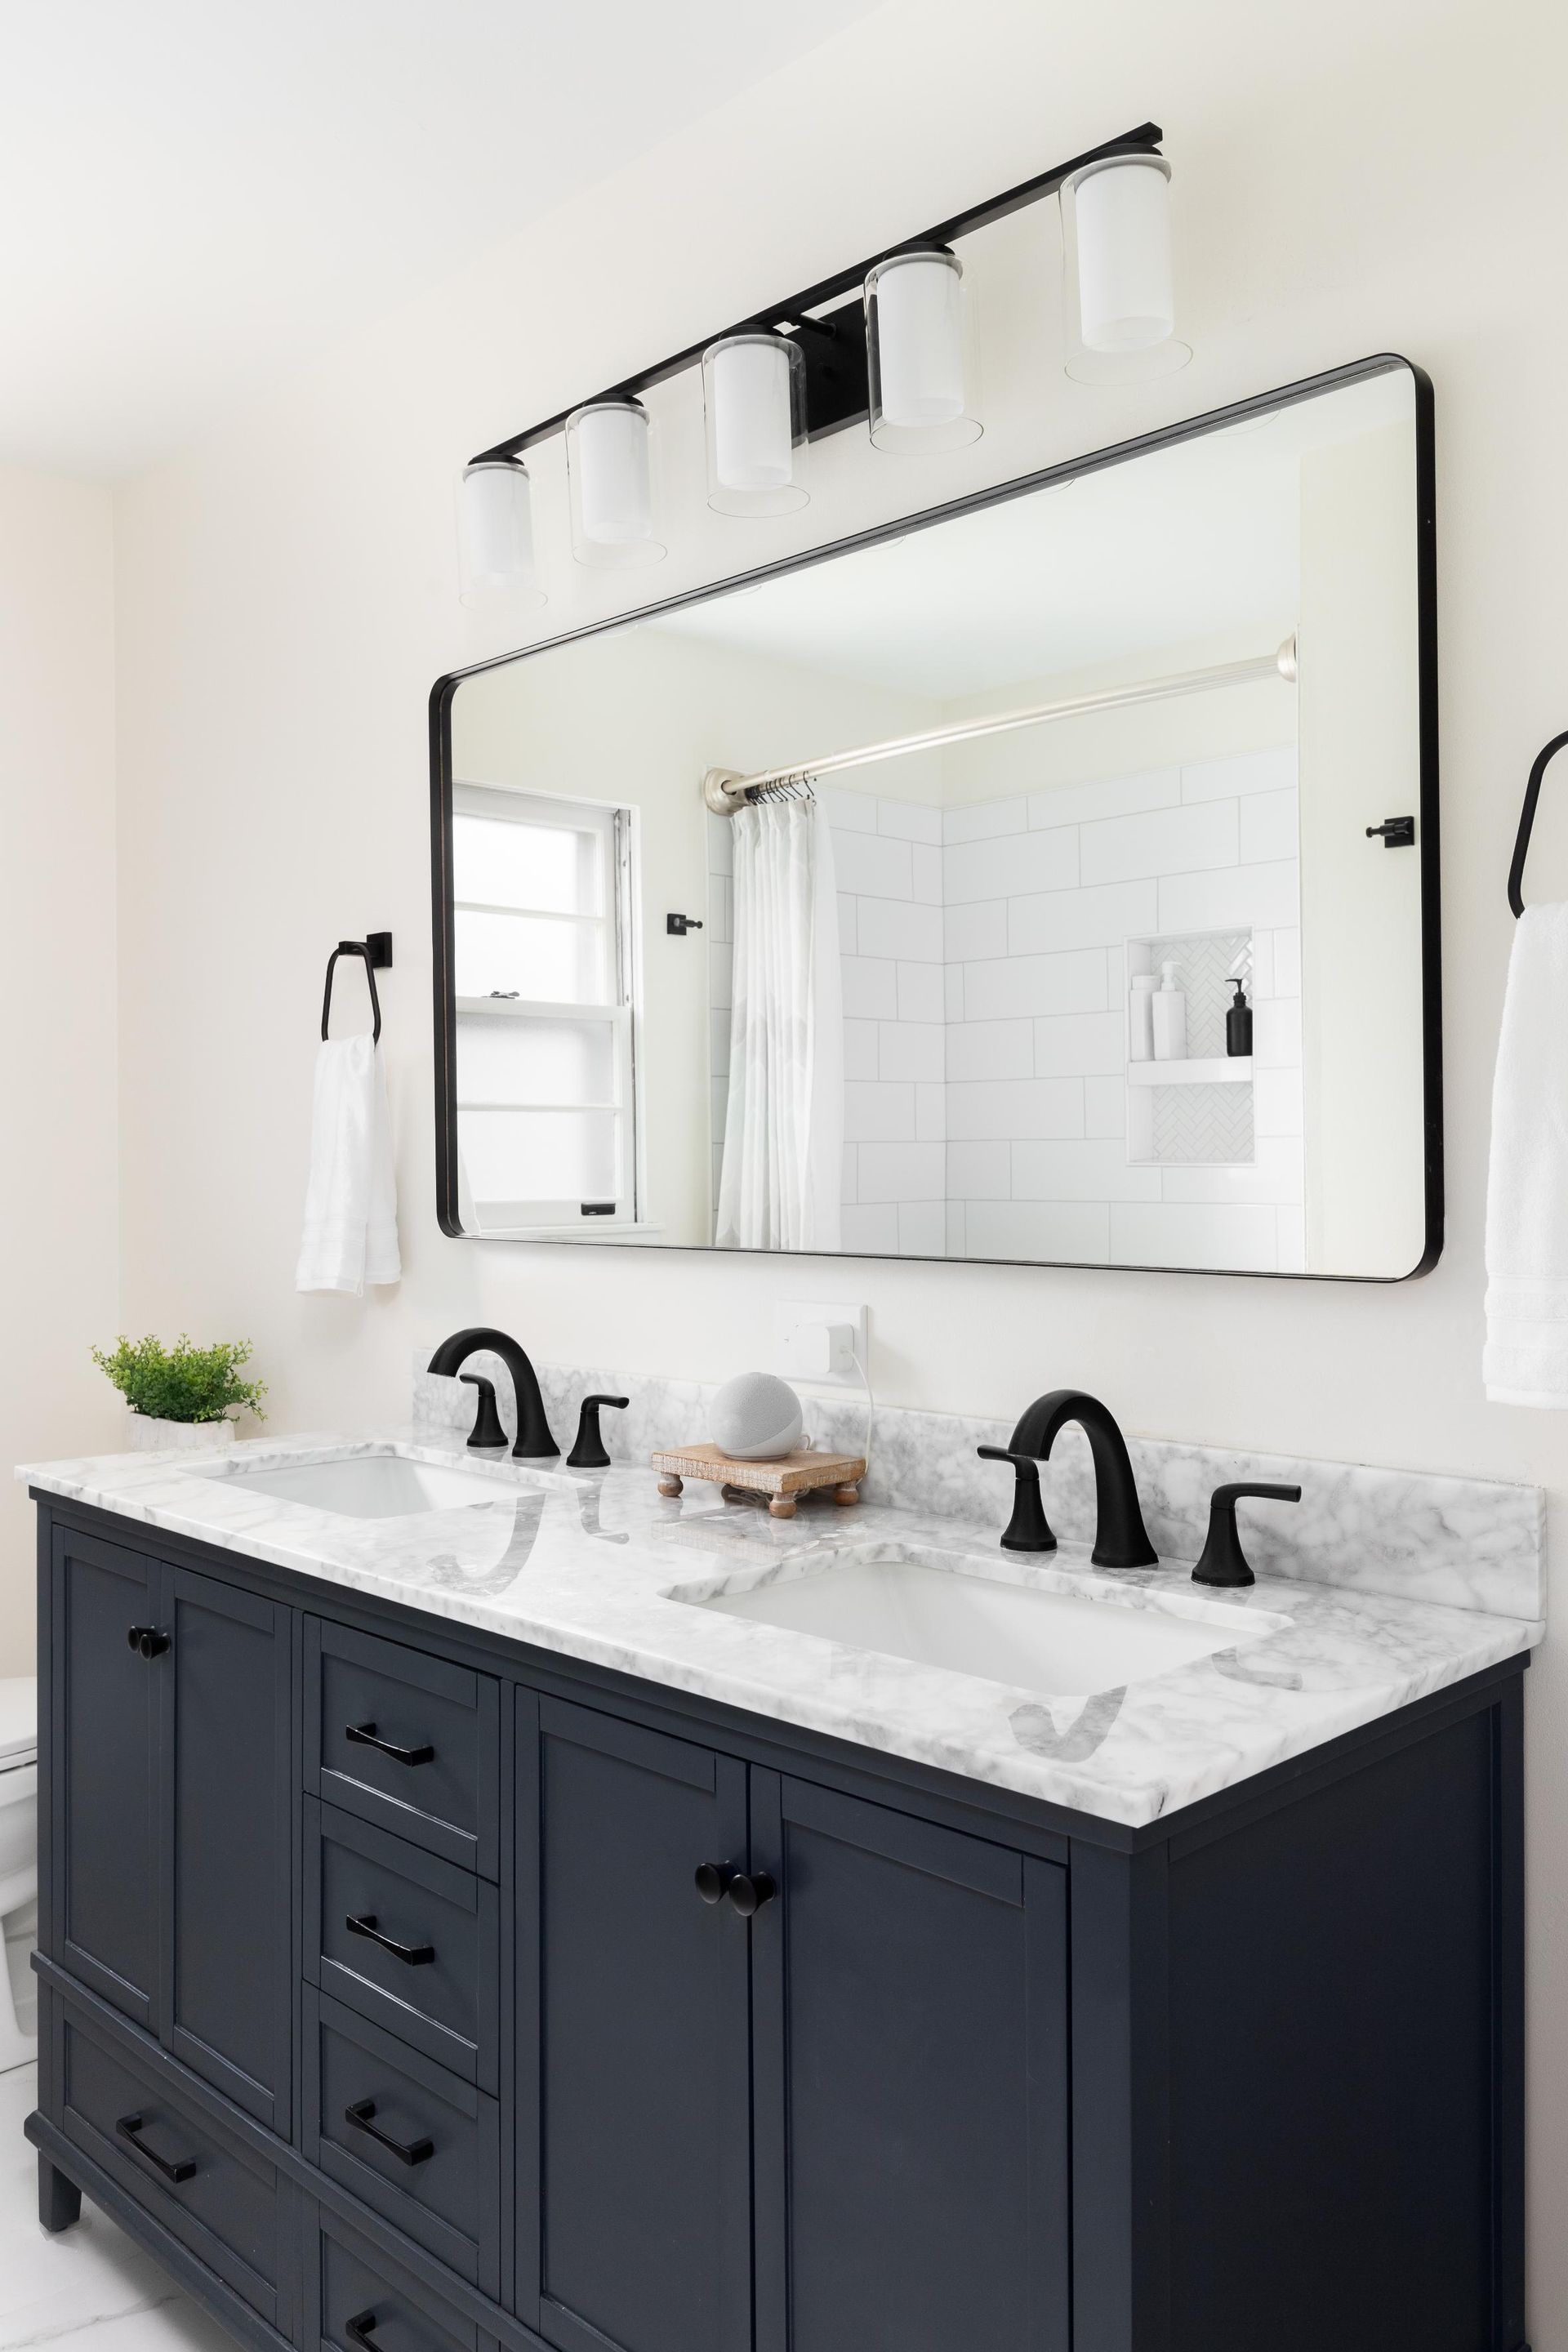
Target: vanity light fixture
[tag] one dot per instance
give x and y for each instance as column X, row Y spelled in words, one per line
column 495, row 533
column 915, row 354
column 753, row 404
column 610, row 483
column 1116, row 285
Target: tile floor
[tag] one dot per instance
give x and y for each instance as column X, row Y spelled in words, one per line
column 90, row 2286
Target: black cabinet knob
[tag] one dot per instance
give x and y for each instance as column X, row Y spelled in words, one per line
column 361, row 2117
column 181, row 2168
column 364, row 1735
column 359, row 2330
column 713, row 1879
column 749, row 1893
column 413, row 1956
column 147, row 1640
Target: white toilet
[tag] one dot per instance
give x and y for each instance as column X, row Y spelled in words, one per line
column 19, row 1842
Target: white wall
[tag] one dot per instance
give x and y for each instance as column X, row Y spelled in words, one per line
column 57, row 1194
column 1369, row 179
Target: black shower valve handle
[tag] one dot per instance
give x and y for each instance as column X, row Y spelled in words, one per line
column 1028, row 1530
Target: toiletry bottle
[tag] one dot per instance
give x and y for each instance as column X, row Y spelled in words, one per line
column 1168, row 1006
column 1238, row 1023
column 1140, row 1018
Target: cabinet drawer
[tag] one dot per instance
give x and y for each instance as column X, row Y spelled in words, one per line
column 405, row 1939
column 218, row 2199
column 439, row 2183
column 361, row 2302
column 403, row 1740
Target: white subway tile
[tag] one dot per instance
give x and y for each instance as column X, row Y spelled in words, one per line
column 1166, row 840
column 1277, row 1033
column 873, row 1231
column 847, row 1188
column 1105, row 1105
column 991, row 1049
column 984, row 819
column 720, row 960
column 927, row 878
column 923, row 1229
column 922, row 996
column 910, row 1049
column 908, row 821
column 1227, row 897
column 848, row 811
column 1262, row 965
column 1270, row 827
column 1079, row 1171
column 1072, row 1233
column 953, row 992
column 1081, row 1044
column 1010, row 865
column 912, row 934
column 1241, row 1239
column 979, row 1171
column 1242, row 772
column 977, row 928
column 931, row 1114
column 870, row 989
column 1014, row 985
column 1061, row 919
column 956, row 1229
column 877, row 1113
column 860, row 1050
column 1116, row 796
column 1275, row 1102
column 903, row 1172
column 847, row 939
column 1293, row 1239
column 1009, row 1109
column 1288, row 963
column 1277, row 1174
column 872, row 867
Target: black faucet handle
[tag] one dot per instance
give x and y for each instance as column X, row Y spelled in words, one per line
column 1028, row 1528
column 1223, row 1560
column 487, row 1430
column 588, row 1453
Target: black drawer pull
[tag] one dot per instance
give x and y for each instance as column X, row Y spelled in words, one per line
column 749, row 1895
column 358, row 2329
column 362, row 1735
column 416, row 2151
column 413, row 1956
column 712, row 1878
column 129, row 2125
column 147, row 1640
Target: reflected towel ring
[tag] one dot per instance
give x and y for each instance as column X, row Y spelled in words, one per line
column 1527, row 823
column 376, row 949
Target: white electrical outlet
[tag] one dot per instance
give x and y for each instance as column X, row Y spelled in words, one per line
column 818, row 1340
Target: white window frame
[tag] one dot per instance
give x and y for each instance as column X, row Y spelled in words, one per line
column 558, row 1218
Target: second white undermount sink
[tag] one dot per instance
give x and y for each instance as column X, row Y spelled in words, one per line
column 366, row 1485
column 1033, row 1630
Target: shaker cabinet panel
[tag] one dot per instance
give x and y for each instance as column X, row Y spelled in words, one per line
column 103, row 1770
column 634, row 2129
column 909, row 1997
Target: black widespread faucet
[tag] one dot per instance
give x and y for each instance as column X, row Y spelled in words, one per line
column 1120, row 1539
column 535, row 1442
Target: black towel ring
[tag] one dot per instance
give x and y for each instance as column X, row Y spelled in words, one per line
column 376, row 950
column 1527, row 823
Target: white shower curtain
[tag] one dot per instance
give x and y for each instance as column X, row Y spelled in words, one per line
column 784, row 1130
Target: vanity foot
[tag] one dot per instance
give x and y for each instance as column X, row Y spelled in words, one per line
column 671, row 1485
column 844, row 1495
column 783, row 1506
column 59, row 2200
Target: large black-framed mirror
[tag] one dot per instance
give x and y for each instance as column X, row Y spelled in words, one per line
column 1049, row 878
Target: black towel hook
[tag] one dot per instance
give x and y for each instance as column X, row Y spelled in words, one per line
column 1527, row 823
column 376, row 949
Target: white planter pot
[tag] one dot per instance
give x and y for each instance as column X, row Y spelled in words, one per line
column 149, row 1435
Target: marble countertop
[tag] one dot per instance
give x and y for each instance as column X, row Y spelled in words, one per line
column 586, row 1564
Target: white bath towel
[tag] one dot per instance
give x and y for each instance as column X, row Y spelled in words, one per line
column 1526, row 1358
column 350, row 1200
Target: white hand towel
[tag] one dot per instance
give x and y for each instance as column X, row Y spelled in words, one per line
column 350, row 1200
column 1526, row 1356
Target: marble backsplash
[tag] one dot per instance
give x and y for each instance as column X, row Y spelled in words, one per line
column 1470, row 1543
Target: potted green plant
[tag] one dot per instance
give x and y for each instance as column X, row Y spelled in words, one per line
column 182, row 1398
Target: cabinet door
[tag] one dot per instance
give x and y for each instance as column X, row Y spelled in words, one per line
column 910, row 1991
column 228, row 1875
column 634, row 2131
column 104, row 1706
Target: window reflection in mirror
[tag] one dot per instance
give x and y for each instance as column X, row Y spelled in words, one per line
column 1154, row 708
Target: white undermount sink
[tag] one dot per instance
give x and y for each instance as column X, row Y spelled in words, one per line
column 365, row 1485
column 1040, row 1632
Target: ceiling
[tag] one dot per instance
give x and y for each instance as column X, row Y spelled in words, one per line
column 195, row 194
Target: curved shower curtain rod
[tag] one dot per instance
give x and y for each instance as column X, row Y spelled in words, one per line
column 726, row 792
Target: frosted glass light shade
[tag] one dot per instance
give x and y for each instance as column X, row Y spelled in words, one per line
column 917, row 358
column 753, row 402
column 609, row 481
column 495, row 533
column 1117, row 280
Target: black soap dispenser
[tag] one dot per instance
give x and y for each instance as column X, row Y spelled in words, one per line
column 1238, row 1023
